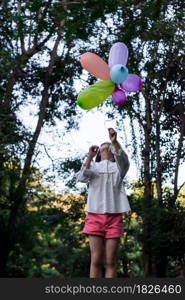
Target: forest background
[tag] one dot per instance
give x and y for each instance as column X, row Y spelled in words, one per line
column 40, row 45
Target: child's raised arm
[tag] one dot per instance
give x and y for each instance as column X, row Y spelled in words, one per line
column 86, row 173
column 120, row 156
column 92, row 152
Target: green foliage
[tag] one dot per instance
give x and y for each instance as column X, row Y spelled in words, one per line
column 55, row 245
column 68, row 170
column 130, row 260
column 154, row 33
column 34, row 73
column 167, row 236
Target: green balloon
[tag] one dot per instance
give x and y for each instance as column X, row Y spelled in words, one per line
column 95, row 94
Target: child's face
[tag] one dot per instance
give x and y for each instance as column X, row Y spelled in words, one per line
column 105, row 152
column 104, row 147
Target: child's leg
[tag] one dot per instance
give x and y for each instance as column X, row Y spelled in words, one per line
column 111, row 246
column 97, row 255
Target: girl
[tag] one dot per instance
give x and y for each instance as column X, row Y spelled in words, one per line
column 106, row 203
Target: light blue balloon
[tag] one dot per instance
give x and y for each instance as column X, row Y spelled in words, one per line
column 118, row 73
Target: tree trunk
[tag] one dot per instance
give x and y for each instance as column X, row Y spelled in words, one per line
column 147, row 251
column 147, row 220
column 8, row 243
column 161, row 263
column 5, row 247
column 158, row 157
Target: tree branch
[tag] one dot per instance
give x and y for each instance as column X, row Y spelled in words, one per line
column 24, row 59
column 41, row 16
column 20, row 24
column 43, row 105
column 158, row 156
column 178, row 157
column 139, row 117
column 181, row 186
column 35, row 48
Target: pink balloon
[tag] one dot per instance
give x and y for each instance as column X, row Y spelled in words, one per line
column 119, row 97
column 95, row 65
column 118, row 54
column 132, row 83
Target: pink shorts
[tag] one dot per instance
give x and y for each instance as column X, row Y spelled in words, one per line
column 106, row 225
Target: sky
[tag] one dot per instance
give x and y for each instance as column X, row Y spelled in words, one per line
column 93, row 130
column 54, row 144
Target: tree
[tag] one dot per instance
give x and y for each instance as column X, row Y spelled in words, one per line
column 55, row 246
column 38, row 41
column 39, row 44
column 153, row 32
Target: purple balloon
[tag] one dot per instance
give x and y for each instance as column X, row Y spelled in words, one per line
column 132, row 83
column 118, row 54
column 119, row 97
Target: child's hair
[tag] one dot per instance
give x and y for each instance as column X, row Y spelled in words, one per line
column 98, row 156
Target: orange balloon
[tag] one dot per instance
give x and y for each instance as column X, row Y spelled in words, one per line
column 95, row 65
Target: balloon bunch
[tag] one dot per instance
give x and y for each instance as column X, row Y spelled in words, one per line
column 115, row 78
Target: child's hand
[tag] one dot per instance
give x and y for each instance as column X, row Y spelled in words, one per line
column 93, row 151
column 112, row 135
